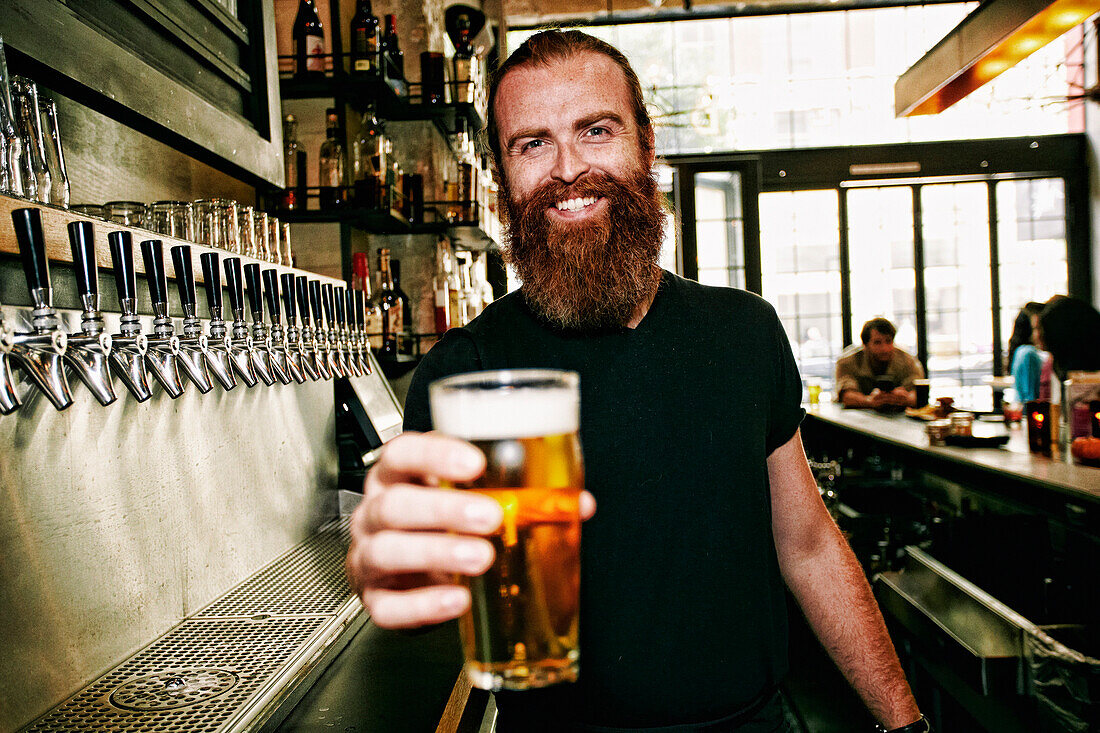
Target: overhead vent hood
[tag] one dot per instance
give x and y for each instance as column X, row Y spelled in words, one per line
column 997, row 35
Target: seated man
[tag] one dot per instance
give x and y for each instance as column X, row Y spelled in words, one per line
column 877, row 375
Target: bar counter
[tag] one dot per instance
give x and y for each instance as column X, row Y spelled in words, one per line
column 1057, row 484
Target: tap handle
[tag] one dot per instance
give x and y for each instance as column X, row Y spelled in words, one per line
column 185, row 273
column 255, row 294
column 288, row 296
column 349, row 296
column 315, row 300
column 338, row 296
column 212, row 279
column 271, row 293
column 82, row 241
column 152, row 251
column 234, row 283
column 326, row 301
column 301, row 284
column 122, row 258
column 360, row 310
column 32, row 247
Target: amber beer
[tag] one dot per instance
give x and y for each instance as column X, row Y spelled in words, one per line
column 521, row 631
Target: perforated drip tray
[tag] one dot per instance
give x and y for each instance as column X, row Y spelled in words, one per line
column 238, row 663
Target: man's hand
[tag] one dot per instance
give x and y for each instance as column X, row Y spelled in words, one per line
column 410, row 538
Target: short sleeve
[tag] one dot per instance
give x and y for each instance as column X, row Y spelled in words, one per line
column 785, row 411
column 845, row 378
column 455, row 353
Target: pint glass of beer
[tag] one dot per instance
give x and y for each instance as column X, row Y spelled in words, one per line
column 521, row 631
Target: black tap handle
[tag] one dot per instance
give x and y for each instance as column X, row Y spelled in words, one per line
column 32, row 247
column 82, row 242
column 212, row 279
column 271, row 293
column 152, row 251
column 302, row 289
column 234, row 282
column 360, row 309
column 122, row 258
column 255, row 294
column 338, row 296
column 185, row 273
column 326, row 301
column 288, row 297
column 349, row 296
column 315, row 299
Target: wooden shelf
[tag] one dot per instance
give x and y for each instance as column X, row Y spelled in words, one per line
column 56, row 220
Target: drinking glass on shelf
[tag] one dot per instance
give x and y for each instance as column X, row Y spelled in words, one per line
column 288, row 252
column 173, row 219
column 128, row 213
column 274, row 240
column 246, row 233
column 261, row 234
column 216, row 223
column 89, row 210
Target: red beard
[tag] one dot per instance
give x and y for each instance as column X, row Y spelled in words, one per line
column 589, row 275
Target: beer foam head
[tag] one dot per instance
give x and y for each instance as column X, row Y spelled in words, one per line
column 518, row 403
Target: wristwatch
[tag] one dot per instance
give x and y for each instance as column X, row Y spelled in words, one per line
column 921, row 726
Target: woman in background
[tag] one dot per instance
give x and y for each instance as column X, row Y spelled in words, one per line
column 1025, row 362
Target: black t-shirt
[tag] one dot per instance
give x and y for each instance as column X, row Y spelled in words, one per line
column 683, row 615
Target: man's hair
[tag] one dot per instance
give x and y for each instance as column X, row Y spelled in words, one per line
column 1071, row 333
column 556, row 45
column 881, row 325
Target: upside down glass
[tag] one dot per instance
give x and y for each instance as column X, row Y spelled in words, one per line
column 522, row 629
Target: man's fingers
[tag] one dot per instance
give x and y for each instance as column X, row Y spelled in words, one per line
column 588, row 506
column 415, row 457
column 415, row 508
column 405, row 609
column 389, row 553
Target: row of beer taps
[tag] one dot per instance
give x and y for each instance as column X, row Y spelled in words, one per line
column 335, row 346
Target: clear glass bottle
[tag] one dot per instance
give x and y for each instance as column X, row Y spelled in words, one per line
column 294, row 167
column 331, row 164
column 367, row 154
column 11, row 145
column 55, row 154
column 35, row 173
column 442, row 305
column 390, row 304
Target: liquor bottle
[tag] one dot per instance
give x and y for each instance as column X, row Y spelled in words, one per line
column 309, row 41
column 439, row 286
column 469, row 297
column 393, row 58
column 455, row 308
column 367, row 153
column 294, row 167
column 372, row 322
column 364, row 39
column 390, row 304
column 464, row 61
column 406, row 305
column 331, row 165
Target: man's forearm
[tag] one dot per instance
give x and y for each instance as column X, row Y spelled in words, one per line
column 837, row 601
column 854, row 398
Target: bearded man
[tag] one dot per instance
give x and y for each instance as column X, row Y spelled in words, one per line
column 690, row 407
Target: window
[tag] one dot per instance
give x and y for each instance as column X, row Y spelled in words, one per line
column 720, row 229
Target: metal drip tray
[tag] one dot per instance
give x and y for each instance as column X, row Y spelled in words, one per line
column 236, row 665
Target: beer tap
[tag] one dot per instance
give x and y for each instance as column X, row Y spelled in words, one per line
column 164, row 348
column 280, row 348
column 194, row 348
column 294, row 343
column 261, row 342
column 39, row 352
column 320, row 347
column 89, row 351
column 129, row 345
column 9, row 399
column 335, row 356
column 311, row 354
column 362, row 343
column 351, row 366
column 219, row 347
column 244, row 351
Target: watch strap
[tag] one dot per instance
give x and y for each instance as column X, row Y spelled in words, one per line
column 920, row 726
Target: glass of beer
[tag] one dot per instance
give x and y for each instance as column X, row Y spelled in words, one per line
column 521, row 631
